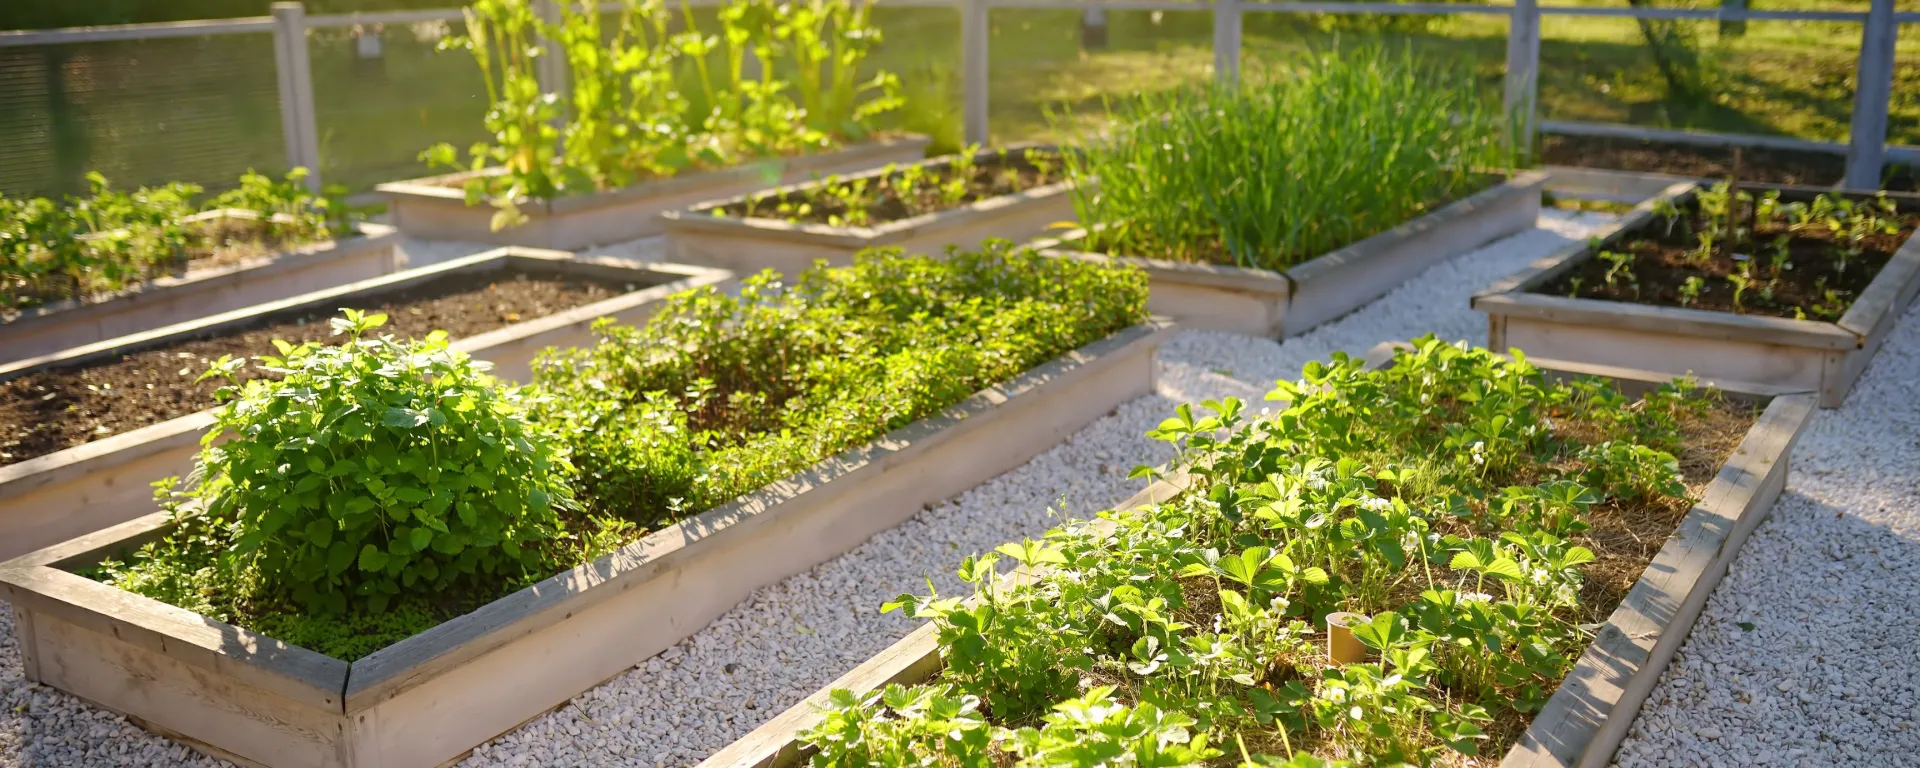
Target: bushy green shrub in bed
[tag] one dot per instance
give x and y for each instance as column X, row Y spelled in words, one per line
column 358, row 476
column 719, row 395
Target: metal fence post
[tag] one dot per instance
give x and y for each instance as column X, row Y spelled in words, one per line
column 973, row 66
column 297, row 120
column 1867, row 139
column 1523, row 73
column 1226, row 41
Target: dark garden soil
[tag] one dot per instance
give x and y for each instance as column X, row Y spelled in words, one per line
column 45, row 412
column 879, row 200
column 1767, row 166
column 1663, row 261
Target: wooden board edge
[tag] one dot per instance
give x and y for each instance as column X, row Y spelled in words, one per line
column 1516, row 186
column 219, row 648
column 1585, row 721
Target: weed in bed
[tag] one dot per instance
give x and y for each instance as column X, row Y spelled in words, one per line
column 1312, row 157
column 1450, row 497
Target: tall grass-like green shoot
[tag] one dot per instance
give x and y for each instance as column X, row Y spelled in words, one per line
column 1295, row 162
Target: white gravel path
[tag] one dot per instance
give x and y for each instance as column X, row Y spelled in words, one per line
column 787, row 640
column 1807, row 653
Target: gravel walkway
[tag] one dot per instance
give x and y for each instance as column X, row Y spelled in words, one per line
column 1807, row 652
column 789, row 639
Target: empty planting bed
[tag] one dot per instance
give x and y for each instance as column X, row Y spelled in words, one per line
column 796, row 636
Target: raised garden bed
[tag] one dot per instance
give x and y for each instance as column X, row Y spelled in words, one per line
column 1013, row 194
column 90, row 428
column 427, row 700
column 1581, row 722
column 221, row 285
column 436, row 208
column 1284, row 303
column 1654, row 295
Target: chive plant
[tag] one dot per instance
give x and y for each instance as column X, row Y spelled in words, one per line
column 1314, row 156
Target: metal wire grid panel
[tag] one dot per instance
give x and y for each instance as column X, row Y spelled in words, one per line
column 360, row 95
column 195, row 109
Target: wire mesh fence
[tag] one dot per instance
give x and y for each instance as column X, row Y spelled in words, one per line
column 196, row 109
column 203, row 108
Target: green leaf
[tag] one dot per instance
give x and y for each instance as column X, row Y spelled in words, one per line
column 372, row 559
column 320, row 532
column 420, row 538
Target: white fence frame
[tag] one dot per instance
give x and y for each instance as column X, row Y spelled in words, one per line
column 1866, row 149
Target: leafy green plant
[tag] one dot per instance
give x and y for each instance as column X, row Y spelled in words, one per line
column 379, row 468
column 1277, row 171
column 1619, row 266
column 1448, row 497
column 770, row 381
column 1690, row 290
column 904, row 191
column 112, row 240
column 646, row 100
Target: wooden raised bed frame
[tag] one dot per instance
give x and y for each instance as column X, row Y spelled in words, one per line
column 1585, row 720
column 1774, row 351
column 371, row 252
column 68, row 493
column 435, row 208
column 1271, row 304
column 748, row 245
column 431, row 698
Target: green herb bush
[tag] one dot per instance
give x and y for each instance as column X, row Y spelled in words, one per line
column 649, row 100
column 111, row 240
column 719, row 395
column 1448, row 499
column 366, row 472
column 1284, row 167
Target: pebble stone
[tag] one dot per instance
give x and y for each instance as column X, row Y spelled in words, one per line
column 789, row 639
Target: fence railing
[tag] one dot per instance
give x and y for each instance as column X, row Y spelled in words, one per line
column 1866, row 149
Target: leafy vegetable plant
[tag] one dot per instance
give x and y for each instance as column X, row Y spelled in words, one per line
column 112, row 240
column 768, row 382
column 1452, row 499
column 655, row 95
column 376, row 469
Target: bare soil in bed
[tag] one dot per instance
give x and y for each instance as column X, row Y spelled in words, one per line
column 49, row 411
column 1664, row 259
column 1768, row 166
column 906, row 193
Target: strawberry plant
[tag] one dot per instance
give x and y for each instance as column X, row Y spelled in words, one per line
column 1451, row 499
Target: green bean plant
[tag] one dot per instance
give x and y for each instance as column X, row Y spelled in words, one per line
column 652, row 95
column 1314, row 156
column 1447, row 498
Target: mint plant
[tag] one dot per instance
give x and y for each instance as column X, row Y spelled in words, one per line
column 378, row 468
